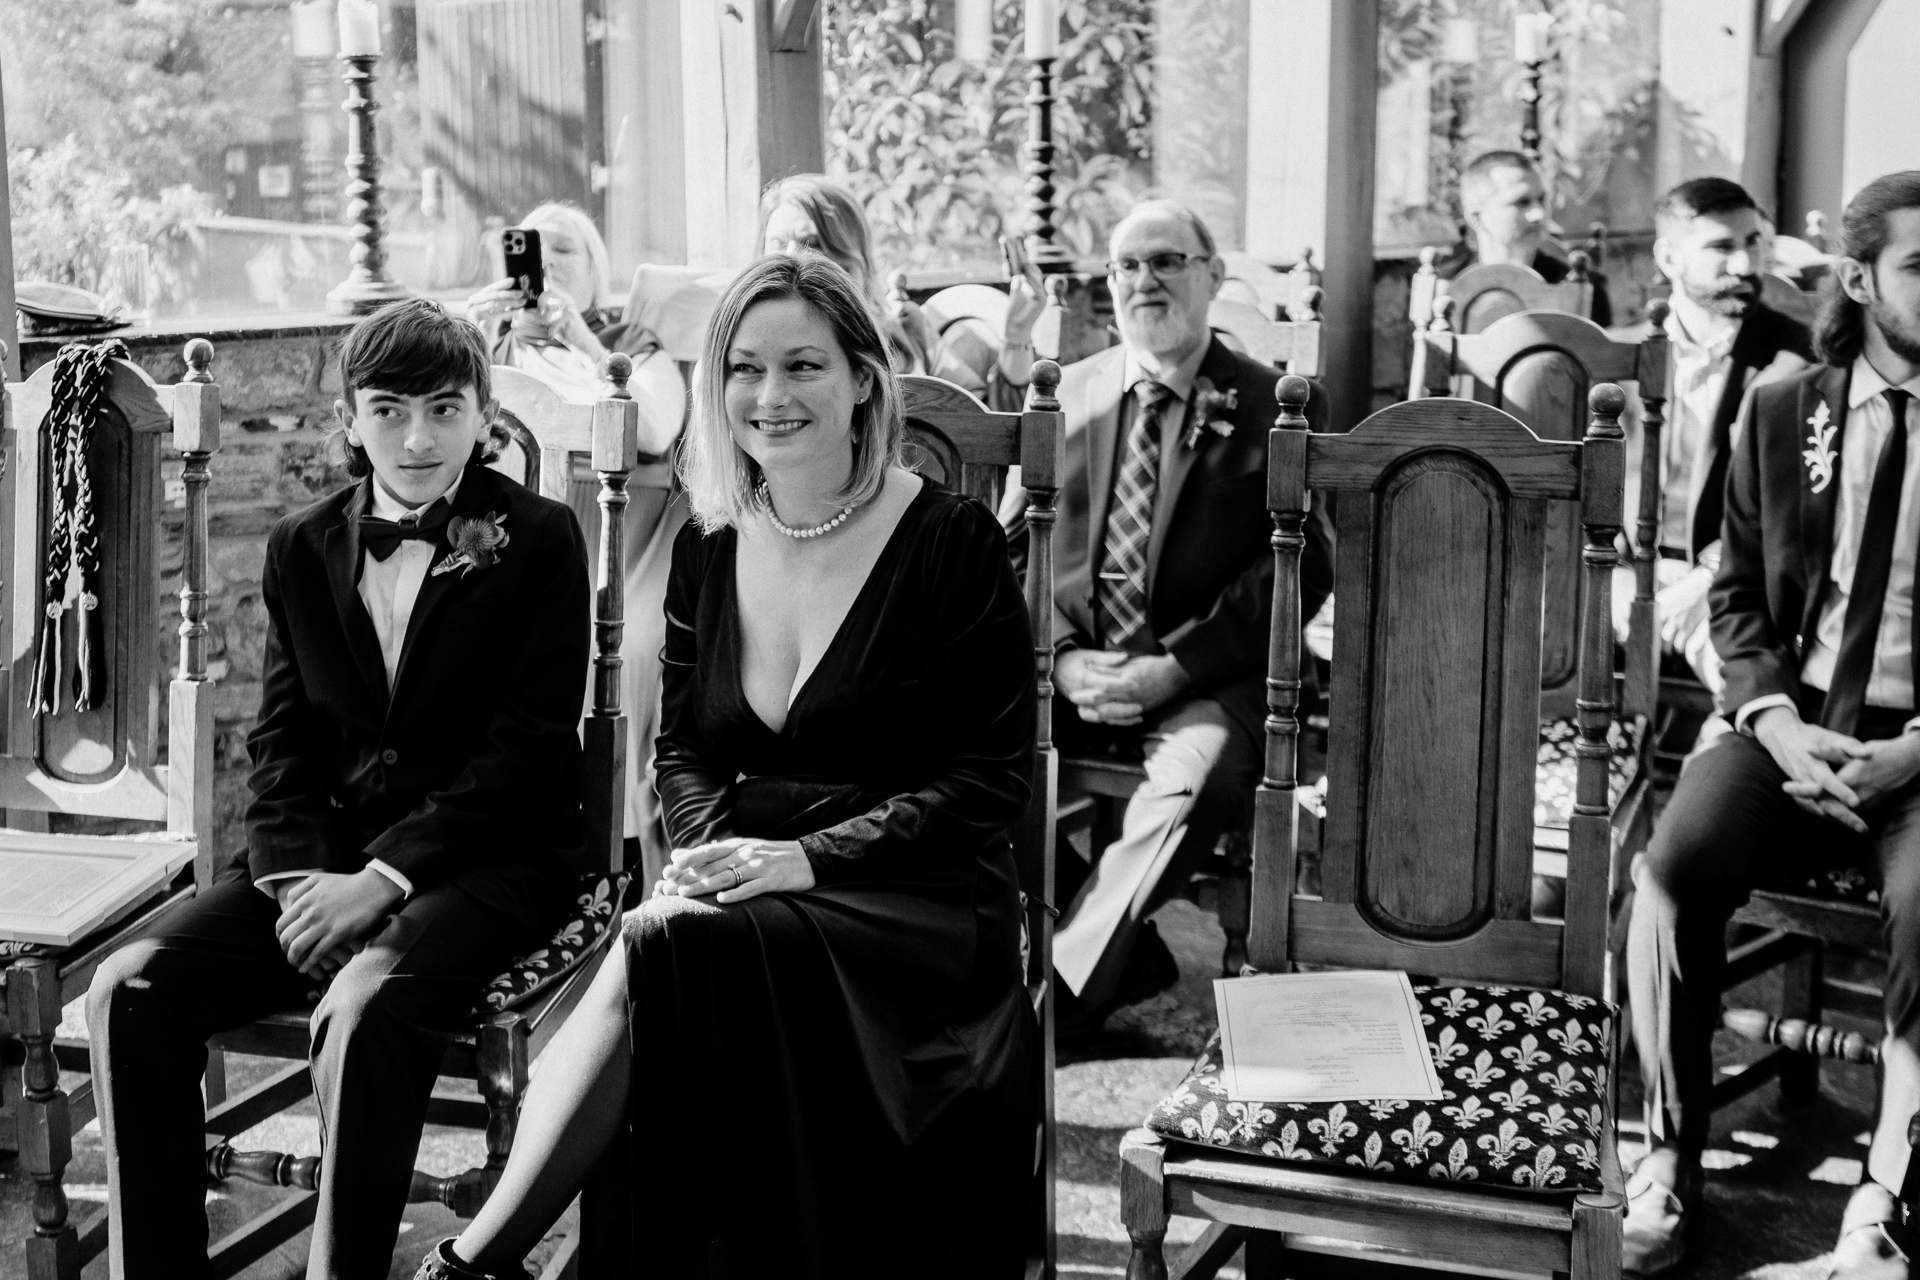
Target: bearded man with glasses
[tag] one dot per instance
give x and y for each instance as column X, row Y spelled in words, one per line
column 1163, row 588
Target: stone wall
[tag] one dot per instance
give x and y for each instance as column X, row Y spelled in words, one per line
column 277, row 389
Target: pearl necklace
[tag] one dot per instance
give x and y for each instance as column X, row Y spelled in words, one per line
column 773, row 517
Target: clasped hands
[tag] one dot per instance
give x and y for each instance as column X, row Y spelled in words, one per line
column 736, row 869
column 326, row 918
column 1117, row 688
column 1832, row 775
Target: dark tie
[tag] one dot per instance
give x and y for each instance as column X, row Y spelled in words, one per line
column 382, row 537
column 1123, row 574
column 1871, row 568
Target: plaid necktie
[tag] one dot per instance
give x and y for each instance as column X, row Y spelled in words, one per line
column 1123, row 575
column 1853, row 666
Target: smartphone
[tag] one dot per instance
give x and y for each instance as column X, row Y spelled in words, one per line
column 521, row 246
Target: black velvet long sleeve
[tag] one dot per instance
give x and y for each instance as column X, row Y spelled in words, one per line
column 910, row 746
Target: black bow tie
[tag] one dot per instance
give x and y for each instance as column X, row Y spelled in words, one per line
column 382, row 537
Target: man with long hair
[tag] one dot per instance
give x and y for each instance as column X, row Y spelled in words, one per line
column 1812, row 616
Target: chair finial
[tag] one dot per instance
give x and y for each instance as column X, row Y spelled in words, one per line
column 1607, row 402
column 1429, row 253
column 1657, row 309
column 1294, row 393
column 1046, row 377
column 1578, row 267
column 618, row 367
column 1308, row 305
column 1057, row 290
column 199, row 357
column 1443, row 313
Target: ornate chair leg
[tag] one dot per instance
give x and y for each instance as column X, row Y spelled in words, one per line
column 1143, row 1203
column 1236, row 901
column 503, row 1083
column 1597, row 1220
column 46, row 1142
column 1800, row 982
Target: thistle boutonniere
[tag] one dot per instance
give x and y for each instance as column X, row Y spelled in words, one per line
column 1819, row 452
column 1210, row 408
column 476, row 543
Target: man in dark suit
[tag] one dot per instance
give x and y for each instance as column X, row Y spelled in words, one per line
column 1163, row 590
column 415, row 799
column 1813, row 618
column 1505, row 203
column 1712, row 246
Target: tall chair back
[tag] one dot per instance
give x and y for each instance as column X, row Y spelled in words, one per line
column 1292, row 344
column 1427, row 856
column 1486, row 293
column 959, row 442
column 1540, row 366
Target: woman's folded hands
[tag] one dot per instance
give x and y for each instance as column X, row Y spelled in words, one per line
column 736, row 869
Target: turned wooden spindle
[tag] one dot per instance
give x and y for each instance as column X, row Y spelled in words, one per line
column 1042, row 250
column 262, row 1168
column 368, row 286
column 196, row 435
column 1796, row 1035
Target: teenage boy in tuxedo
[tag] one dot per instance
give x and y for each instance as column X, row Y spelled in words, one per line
column 1813, row 619
column 415, row 797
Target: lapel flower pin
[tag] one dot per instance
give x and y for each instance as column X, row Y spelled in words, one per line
column 1210, row 407
column 476, row 543
column 1819, row 452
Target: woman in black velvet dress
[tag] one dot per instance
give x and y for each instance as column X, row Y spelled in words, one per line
column 819, row 1040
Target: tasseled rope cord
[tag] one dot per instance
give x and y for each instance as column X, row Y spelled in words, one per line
column 80, row 379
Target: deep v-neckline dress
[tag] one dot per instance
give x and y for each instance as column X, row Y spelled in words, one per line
column 860, row 1055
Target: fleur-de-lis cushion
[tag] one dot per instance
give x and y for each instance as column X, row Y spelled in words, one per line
column 596, row 905
column 1526, row 1106
column 1834, row 884
column 1554, row 774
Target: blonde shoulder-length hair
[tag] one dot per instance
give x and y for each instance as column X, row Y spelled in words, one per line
column 719, row 476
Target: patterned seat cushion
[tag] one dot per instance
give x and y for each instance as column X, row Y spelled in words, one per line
column 1832, row 884
column 1553, row 777
column 1527, row 1098
column 596, row 905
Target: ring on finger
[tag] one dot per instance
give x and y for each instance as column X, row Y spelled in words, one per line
column 737, row 878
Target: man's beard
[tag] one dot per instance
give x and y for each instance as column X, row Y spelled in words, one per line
column 1902, row 334
column 1727, row 295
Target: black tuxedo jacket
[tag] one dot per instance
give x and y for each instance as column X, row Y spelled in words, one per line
column 468, row 770
column 1765, row 338
column 1778, row 533
column 1209, row 555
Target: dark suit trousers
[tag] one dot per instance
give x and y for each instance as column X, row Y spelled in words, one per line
column 377, row 1044
column 1202, row 767
column 1728, row 829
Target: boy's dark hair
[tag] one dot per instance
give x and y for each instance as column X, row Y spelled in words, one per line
column 1841, row 329
column 412, row 348
column 1699, row 197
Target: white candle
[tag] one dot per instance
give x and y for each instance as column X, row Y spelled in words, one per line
column 359, row 29
column 1530, row 36
column 973, row 30
column 313, row 29
column 1043, row 28
column 1460, row 41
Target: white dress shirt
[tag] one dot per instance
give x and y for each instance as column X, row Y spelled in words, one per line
column 1869, row 419
column 1700, row 370
column 388, row 589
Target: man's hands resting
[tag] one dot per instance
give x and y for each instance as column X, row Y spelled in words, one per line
column 1832, row 775
column 1117, row 688
column 326, row 918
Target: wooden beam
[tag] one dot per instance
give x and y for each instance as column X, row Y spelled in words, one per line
column 1310, row 144
column 754, row 115
column 9, row 334
column 1781, row 18
column 792, row 24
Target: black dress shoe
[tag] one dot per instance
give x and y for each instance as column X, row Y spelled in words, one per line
column 1150, row 970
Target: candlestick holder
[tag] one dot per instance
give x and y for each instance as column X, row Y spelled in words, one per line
column 1530, row 111
column 1042, row 251
column 367, row 287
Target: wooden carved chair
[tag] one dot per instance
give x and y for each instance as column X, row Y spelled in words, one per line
column 1441, row 507
column 519, row 1011
column 1488, row 292
column 104, row 762
column 1539, row 366
column 958, row 442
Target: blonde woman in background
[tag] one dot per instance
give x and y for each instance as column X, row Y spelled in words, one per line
column 563, row 342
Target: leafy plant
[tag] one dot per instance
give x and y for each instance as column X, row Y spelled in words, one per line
column 932, row 144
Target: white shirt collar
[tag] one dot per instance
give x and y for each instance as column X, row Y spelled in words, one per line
column 1685, row 317
column 387, row 507
column 1867, row 383
column 1178, row 379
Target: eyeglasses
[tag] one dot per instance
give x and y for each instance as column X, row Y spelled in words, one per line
column 1161, row 264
